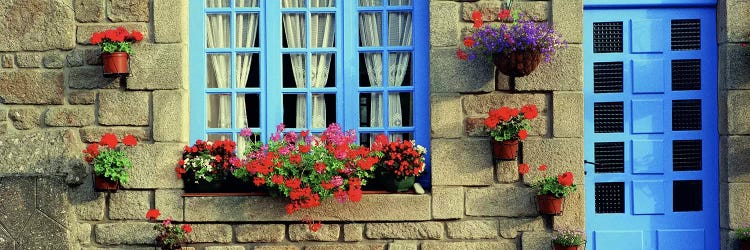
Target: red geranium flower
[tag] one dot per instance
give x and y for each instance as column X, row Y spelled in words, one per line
column 109, row 140
column 565, row 179
column 469, row 42
column 529, row 111
column 476, row 16
column 504, row 14
column 259, row 181
column 542, row 167
column 136, row 35
column 523, row 134
column 523, row 168
column 187, row 228
column 130, row 140
column 460, row 54
column 152, row 214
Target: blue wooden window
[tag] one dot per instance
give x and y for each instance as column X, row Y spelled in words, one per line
column 308, row 63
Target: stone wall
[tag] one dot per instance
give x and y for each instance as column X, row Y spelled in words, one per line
column 53, row 99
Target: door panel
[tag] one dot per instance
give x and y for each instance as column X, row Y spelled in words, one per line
column 651, row 114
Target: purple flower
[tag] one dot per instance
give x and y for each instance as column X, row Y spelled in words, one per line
column 337, row 181
column 246, row 132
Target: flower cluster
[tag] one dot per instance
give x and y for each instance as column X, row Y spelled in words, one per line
column 169, row 236
column 522, row 35
column 568, row 237
column 400, row 158
column 108, row 160
column 116, row 40
column 559, row 186
column 309, row 169
column 208, row 160
column 510, row 123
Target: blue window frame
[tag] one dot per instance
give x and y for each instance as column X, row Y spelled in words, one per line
column 262, row 59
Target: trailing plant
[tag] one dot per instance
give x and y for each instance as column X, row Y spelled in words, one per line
column 743, row 233
column 169, row 236
column 109, row 160
column 559, row 186
column 569, row 237
column 208, row 160
column 401, row 158
column 116, row 40
column 507, row 123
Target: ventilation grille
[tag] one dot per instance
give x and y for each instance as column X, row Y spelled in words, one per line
column 610, row 157
column 608, row 117
column 609, row 197
column 608, row 77
column 607, row 37
column 686, row 34
column 687, row 196
column 686, row 155
column 686, row 74
column 686, row 115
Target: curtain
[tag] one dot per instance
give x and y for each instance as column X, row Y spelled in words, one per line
column 370, row 27
column 322, row 34
column 294, row 29
column 247, row 29
column 217, row 36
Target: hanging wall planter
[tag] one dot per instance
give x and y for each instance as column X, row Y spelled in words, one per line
column 549, row 204
column 505, row 150
column 517, row 63
column 102, row 184
column 116, row 64
column 116, row 45
column 559, row 247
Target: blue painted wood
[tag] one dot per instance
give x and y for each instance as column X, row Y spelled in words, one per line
column 647, row 3
column 197, row 59
column 649, row 220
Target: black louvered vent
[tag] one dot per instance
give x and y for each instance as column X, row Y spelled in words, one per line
column 686, row 115
column 608, row 77
column 686, row 34
column 609, row 197
column 686, row 74
column 608, row 117
column 687, row 196
column 610, row 157
column 607, row 37
column 686, row 155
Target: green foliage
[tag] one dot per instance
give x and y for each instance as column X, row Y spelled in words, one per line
column 743, row 233
column 509, row 130
column 550, row 185
column 170, row 236
column 113, row 165
column 569, row 237
column 111, row 47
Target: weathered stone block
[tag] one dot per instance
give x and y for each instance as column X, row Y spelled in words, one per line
column 84, row 233
column 167, row 21
column 153, row 166
column 569, row 122
column 536, row 241
column 129, row 205
column 25, row 118
column 128, row 10
column 94, row 134
column 474, row 167
column 84, row 31
column 124, row 108
column 509, row 227
column 405, row 231
column 8, row 61
column 74, row 58
column 327, row 232
column 3, row 128
column 353, row 232
column 31, row 87
column 156, row 67
column 574, row 210
column 567, row 19
column 403, row 245
column 3, row 114
column 507, row 171
column 738, row 155
column 738, row 116
column 443, row 28
column 88, row 205
column 276, row 247
column 37, row 25
column 536, row 10
column 130, row 233
column 501, row 200
column 94, row 56
column 477, row 245
column 28, row 60
column 391, row 207
column 446, row 116
column 260, row 233
column 447, row 202
column 358, row 246
column 82, row 97
column 564, row 73
column 472, row 229
column 735, row 64
column 218, row 233
column 168, row 113
column 90, row 78
column 448, row 74
column 559, row 154
column 69, row 116
column 480, row 105
column 225, row 248
column 169, row 202
column 53, row 61
column 736, row 21
column 89, row 10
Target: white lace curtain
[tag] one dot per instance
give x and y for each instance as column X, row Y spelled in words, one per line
column 322, row 28
column 399, row 34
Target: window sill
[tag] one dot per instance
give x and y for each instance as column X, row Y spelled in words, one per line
column 252, row 207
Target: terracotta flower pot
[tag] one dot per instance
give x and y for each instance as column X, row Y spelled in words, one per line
column 115, row 63
column 102, row 184
column 505, row 150
column 549, row 204
column 517, row 63
column 745, row 245
column 394, row 185
column 559, row 247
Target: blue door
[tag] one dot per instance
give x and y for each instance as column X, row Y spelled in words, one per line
column 651, row 127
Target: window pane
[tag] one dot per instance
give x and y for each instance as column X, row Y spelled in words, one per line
column 323, row 72
column 370, row 109
column 323, row 29
column 217, row 3
column 293, row 71
column 399, row 2
column 370, row 29
column 399, row 135
column 295, row 110
column 247, row 30
column 400, row 109
column 399, row 29
column 293, row 3
column 399, row 69
column 246, row 3
column 248, row 111
column 247, row 74
column 218, row 111
column 217, row 31
column 218, row 71
column 323, row 110
column 219, row 137
column 322, row 3
column 294, row 30
column 370, row 2
column 370, row 69
column 366, row 139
